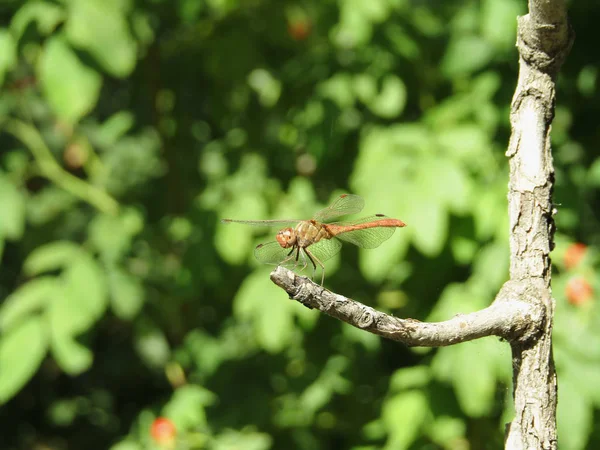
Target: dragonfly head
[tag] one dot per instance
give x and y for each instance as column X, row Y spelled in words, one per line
column 286, row 237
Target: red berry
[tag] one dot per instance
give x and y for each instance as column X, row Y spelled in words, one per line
column 163, row 431
column 574, row 254
column 299, row 29
column 579, row 291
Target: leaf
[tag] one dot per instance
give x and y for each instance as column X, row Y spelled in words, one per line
column 409, row 378
column 261, row 302
column 428, row 221
column 233, row 241
column 391, row 100
column 83, row 299
column 127, row 294
column 115, row 127
column 31, row 297
column 338, row 89
column 403, row 415
column 472, row 373
column 12, row 212
column 101, row 28
column 53, row 256
column 465, row 55
column 8, row 53
column 186, row 407
column 109, row 236
column 71, row 87
column 498, row 22
column 21, row 353
column 574, row 415
column 46, row 15
column 127, row 445
column 72, row 357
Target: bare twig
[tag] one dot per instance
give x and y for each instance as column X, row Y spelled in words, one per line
column 507, row 317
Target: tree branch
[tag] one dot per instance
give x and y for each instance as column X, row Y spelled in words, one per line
column 507, row 317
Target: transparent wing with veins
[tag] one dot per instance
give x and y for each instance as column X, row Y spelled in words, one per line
column 367, row 237
column 345, row 204
column 275, row 254
column 265, row 223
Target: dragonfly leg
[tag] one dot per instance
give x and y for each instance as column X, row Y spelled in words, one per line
column 289, row 256
column 314, row 259
column 304, row 255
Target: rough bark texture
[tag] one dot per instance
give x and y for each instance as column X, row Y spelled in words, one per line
column 508, row 317
column 544, row 39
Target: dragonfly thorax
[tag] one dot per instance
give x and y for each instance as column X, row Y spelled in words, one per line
column 286, row 237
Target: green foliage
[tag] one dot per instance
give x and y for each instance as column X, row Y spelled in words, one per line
column 129, row 129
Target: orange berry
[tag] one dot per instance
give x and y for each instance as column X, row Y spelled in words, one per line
column 163, row 431
column 299, row 29
column 574, row 254
column 579, row 291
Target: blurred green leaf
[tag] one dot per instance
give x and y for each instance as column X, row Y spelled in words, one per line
column 71, row 87
column 260, row 301
column 84, row 297
column 466, row 54
column 71, row 356
column 409, row 378
column 115, row 127
column 574, row 413
column 12, row 213
column 8, row 56
column 447, row 431
column 234, row 241
column 246, row 439
column 101, row 28
column 22, row 350
column 499, row 22
column 471, row 368
column 186, row 407
column 404, row 414
column 29, row 298
column 127, row 445
column 46, row 15
column 52, row 256
column 126, row 293
column 391, row 100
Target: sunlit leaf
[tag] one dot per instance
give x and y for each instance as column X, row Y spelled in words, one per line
column 186, row 407
column 260, row 301
column 466, row 54
column 21, row 353
column 127, row 294
column 391, row 100
column 71, row 87
column 12, row 212
column 53, row 256
column 101, row 27
column 72, row 357
column 404, row 414
column 8, row 55
column 575, row 414
column 46, row 15
column 29, row 298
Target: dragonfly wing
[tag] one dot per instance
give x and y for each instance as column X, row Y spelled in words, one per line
column 367, row 237
column 344, row 205
column 264, row 223
column 325, row 249
column 273, row 253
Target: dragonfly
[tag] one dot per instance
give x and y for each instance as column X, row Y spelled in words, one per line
column 318, row 239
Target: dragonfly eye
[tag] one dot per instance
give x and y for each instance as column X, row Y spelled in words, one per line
column 286, row 238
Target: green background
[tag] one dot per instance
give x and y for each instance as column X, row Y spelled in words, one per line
column 129, row 128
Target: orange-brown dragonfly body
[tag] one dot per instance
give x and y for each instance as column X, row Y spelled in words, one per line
column 317, row 241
